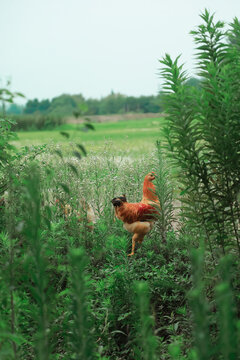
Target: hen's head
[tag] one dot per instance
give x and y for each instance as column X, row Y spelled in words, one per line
column 150, row 176
column 118, row 201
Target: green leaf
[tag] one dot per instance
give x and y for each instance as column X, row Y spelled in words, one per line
column 59, row 153
column 65, row 134
column 82, row 148
column 73, row 168
column 77, row 154
column 65, row 188
column 89, row 126
column 20, row 94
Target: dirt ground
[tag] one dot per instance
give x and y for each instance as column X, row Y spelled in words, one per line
column 113, row 117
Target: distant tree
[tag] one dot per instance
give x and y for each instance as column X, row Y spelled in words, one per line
column 15, row 109
column 44, row 106
column 112, row 104
column 149, row 104
column 78, row 98
column 93, row 106
column 62, row 105
column 34, row 106
column 31, row 106
column 77, row 105
column 131, row 104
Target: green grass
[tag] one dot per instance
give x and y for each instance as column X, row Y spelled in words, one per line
column 129, row 136
column 51, row 308
column 59, row 301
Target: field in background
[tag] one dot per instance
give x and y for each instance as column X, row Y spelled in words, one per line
column 131, row 136
column 115, row 117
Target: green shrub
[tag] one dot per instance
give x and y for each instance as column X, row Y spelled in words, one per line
column 36, row 122
column 145, row 338
column 81, row 339
column 203, row 132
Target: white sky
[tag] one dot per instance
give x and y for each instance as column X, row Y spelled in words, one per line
column 50, row 47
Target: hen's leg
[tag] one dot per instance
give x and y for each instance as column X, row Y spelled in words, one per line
column 139, row 230
column 136, row 238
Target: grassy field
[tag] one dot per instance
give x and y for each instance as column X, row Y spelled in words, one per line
column 131, row 136
column 47, row 246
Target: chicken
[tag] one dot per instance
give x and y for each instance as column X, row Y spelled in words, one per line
column 138, row 218
column 86, row 212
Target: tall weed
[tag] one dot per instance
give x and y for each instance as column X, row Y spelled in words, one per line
column 203, row 132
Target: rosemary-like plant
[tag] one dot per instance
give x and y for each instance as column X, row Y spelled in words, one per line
column 200, row 308
column 203, row 131
column 228, row 342
column 146, row 340
column 81, row 339
column 164, row 191
column 39, row 288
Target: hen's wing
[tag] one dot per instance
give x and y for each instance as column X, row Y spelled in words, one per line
column 145, row 211
column 133, row 212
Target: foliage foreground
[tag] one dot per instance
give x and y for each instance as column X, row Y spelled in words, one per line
column 68, row 291
column 71, row 293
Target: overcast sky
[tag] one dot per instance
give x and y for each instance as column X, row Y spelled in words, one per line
column 50, row 47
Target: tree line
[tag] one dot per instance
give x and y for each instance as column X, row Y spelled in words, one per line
column 77, row 105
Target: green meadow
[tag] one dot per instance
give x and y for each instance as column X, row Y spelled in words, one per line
column 131, row 136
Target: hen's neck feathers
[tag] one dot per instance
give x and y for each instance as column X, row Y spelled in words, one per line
column 149, row 192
